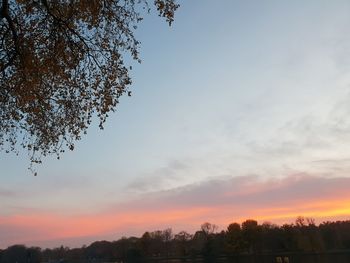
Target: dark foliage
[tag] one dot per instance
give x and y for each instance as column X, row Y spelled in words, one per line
column 238, row 241
column 61, row 64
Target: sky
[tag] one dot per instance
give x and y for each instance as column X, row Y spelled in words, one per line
column 239, row 110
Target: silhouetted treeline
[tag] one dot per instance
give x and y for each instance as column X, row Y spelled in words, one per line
column 238, row 240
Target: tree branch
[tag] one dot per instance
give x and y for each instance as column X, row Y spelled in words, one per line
column 77, row 34
column 5, row 14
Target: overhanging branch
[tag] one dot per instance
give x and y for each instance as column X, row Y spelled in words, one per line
column 5, row 14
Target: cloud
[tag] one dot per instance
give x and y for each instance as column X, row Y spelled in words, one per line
column 252, row 191
column 220, row 201
column 321, row 134
column 160, row 177
column 4, row 193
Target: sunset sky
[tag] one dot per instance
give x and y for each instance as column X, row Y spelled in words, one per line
column 240, row 109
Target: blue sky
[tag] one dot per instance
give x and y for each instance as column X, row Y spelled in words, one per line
column 233, row 89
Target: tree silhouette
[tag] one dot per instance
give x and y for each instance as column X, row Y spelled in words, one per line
column 182, row 240
column 246, row 242
column 61, row 64
column 234, row 238
column 208, row 228
column 250, row 233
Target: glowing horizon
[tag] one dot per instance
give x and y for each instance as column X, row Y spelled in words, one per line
column 150, row 213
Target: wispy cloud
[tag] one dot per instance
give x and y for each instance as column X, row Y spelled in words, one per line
column 159, row 178
column 6, row 193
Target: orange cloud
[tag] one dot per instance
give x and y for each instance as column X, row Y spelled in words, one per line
column 278, row 201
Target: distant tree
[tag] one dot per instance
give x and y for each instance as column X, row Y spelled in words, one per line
column 307, row 235
column 62, row 63
column 182, row 241
column 271, row 237
column 183, row 236
column 208, row 228
column 167, row 237
column 102, row 250
column 251, row 234
column 198, row 241
column 16, row 253
column 301, row 221
column 157, row 240
column 121, row 246
column 34, row 255
column 328, row 238
column 75, row 255
column 331, row 234
column 209, row 249
column 145, row 243
column 234, row 238
column 288, row 235
column 214, row 246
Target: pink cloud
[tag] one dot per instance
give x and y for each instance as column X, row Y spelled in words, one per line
column 217, row 201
